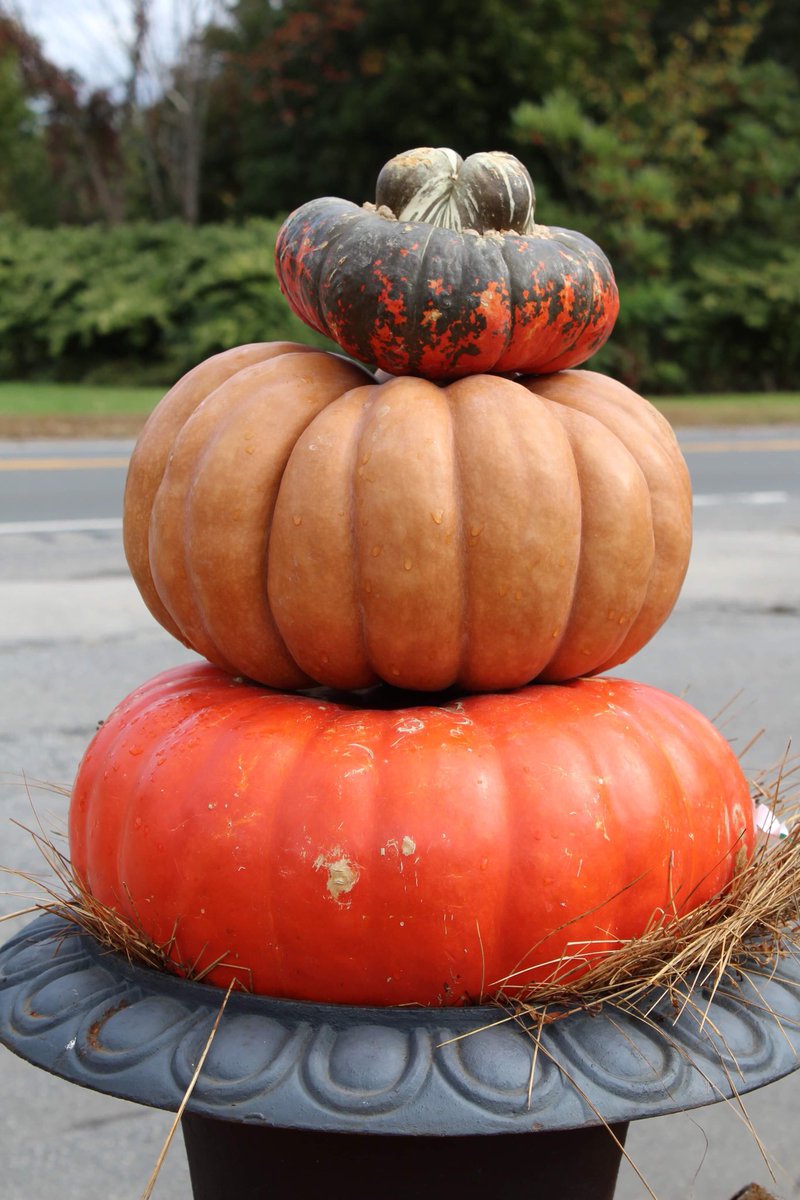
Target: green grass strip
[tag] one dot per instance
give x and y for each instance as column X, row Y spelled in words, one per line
column 76, row 399
column 61, row 399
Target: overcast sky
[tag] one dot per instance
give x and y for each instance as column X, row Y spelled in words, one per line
column 86, row 34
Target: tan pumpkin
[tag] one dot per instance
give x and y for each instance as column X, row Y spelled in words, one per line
column 294, row 524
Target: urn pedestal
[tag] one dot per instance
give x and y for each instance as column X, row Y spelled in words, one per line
column 403, row 1101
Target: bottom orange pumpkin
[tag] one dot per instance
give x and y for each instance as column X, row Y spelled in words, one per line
column 369, row 854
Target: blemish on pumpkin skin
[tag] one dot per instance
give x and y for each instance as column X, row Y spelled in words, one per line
column 343, row 875
column 358, row 746
column 406, row 726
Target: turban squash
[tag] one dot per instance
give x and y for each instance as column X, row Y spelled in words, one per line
column 449, row 275
column 296, row 522
column 361, row 854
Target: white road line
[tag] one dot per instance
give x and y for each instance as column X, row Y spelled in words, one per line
column 105, row 524
column 90, row 525
column 707, row 499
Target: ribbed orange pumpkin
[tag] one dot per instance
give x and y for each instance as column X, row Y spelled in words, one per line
column 367, row 855
column 294, row 525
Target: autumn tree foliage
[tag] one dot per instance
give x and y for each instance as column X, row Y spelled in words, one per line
column 313, row 97
column 119, row 152
column 76, row 130
column 684, row 169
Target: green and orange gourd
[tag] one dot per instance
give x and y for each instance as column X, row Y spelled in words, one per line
column 448, row 274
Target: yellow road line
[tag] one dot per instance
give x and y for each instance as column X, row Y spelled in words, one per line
column 60, row 464
column 770, row 444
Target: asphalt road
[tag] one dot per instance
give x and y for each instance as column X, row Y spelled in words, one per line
column 75, row 638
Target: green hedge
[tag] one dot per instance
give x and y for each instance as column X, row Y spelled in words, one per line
column 143, row 303
column 140, row 303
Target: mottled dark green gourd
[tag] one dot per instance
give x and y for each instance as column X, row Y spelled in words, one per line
column 448, row 273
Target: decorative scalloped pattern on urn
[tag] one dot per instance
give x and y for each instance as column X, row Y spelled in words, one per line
column 87, row 1015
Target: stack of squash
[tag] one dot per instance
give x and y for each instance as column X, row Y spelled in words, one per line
column 398, row 779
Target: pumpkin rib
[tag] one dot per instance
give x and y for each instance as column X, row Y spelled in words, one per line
column 281, row 917
column 332, row 260
column 101, row 866
column 546, row 331
column 517, row 902
column 516, row 618
column 670, row 496
column 414, row 630
column 460, row 539
column 633, row 408
column 622, row 914
column 171, row 544
column 128, row 862
column 567, row 355
column 309, row 579
column 530, row 315
column 324, row 854
column 632, row 726
column 614, row 912
column 149, row 458
column 617, row 523
column 414, row 310
column 356, row 545
column 310, row 300
column 180, row 568
column 727, row 768
column 656, row 717
column 451, row 329
column 678, row 904
column 665, row 583
column 196, row 617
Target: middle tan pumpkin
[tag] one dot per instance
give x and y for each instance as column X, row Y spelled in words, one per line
column 299, row 524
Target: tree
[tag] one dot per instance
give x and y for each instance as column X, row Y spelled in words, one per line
column 24, row 172
column 166, row 104
column 130, row 150
column 313, row 96
column 78, row 129
column 684, row 167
